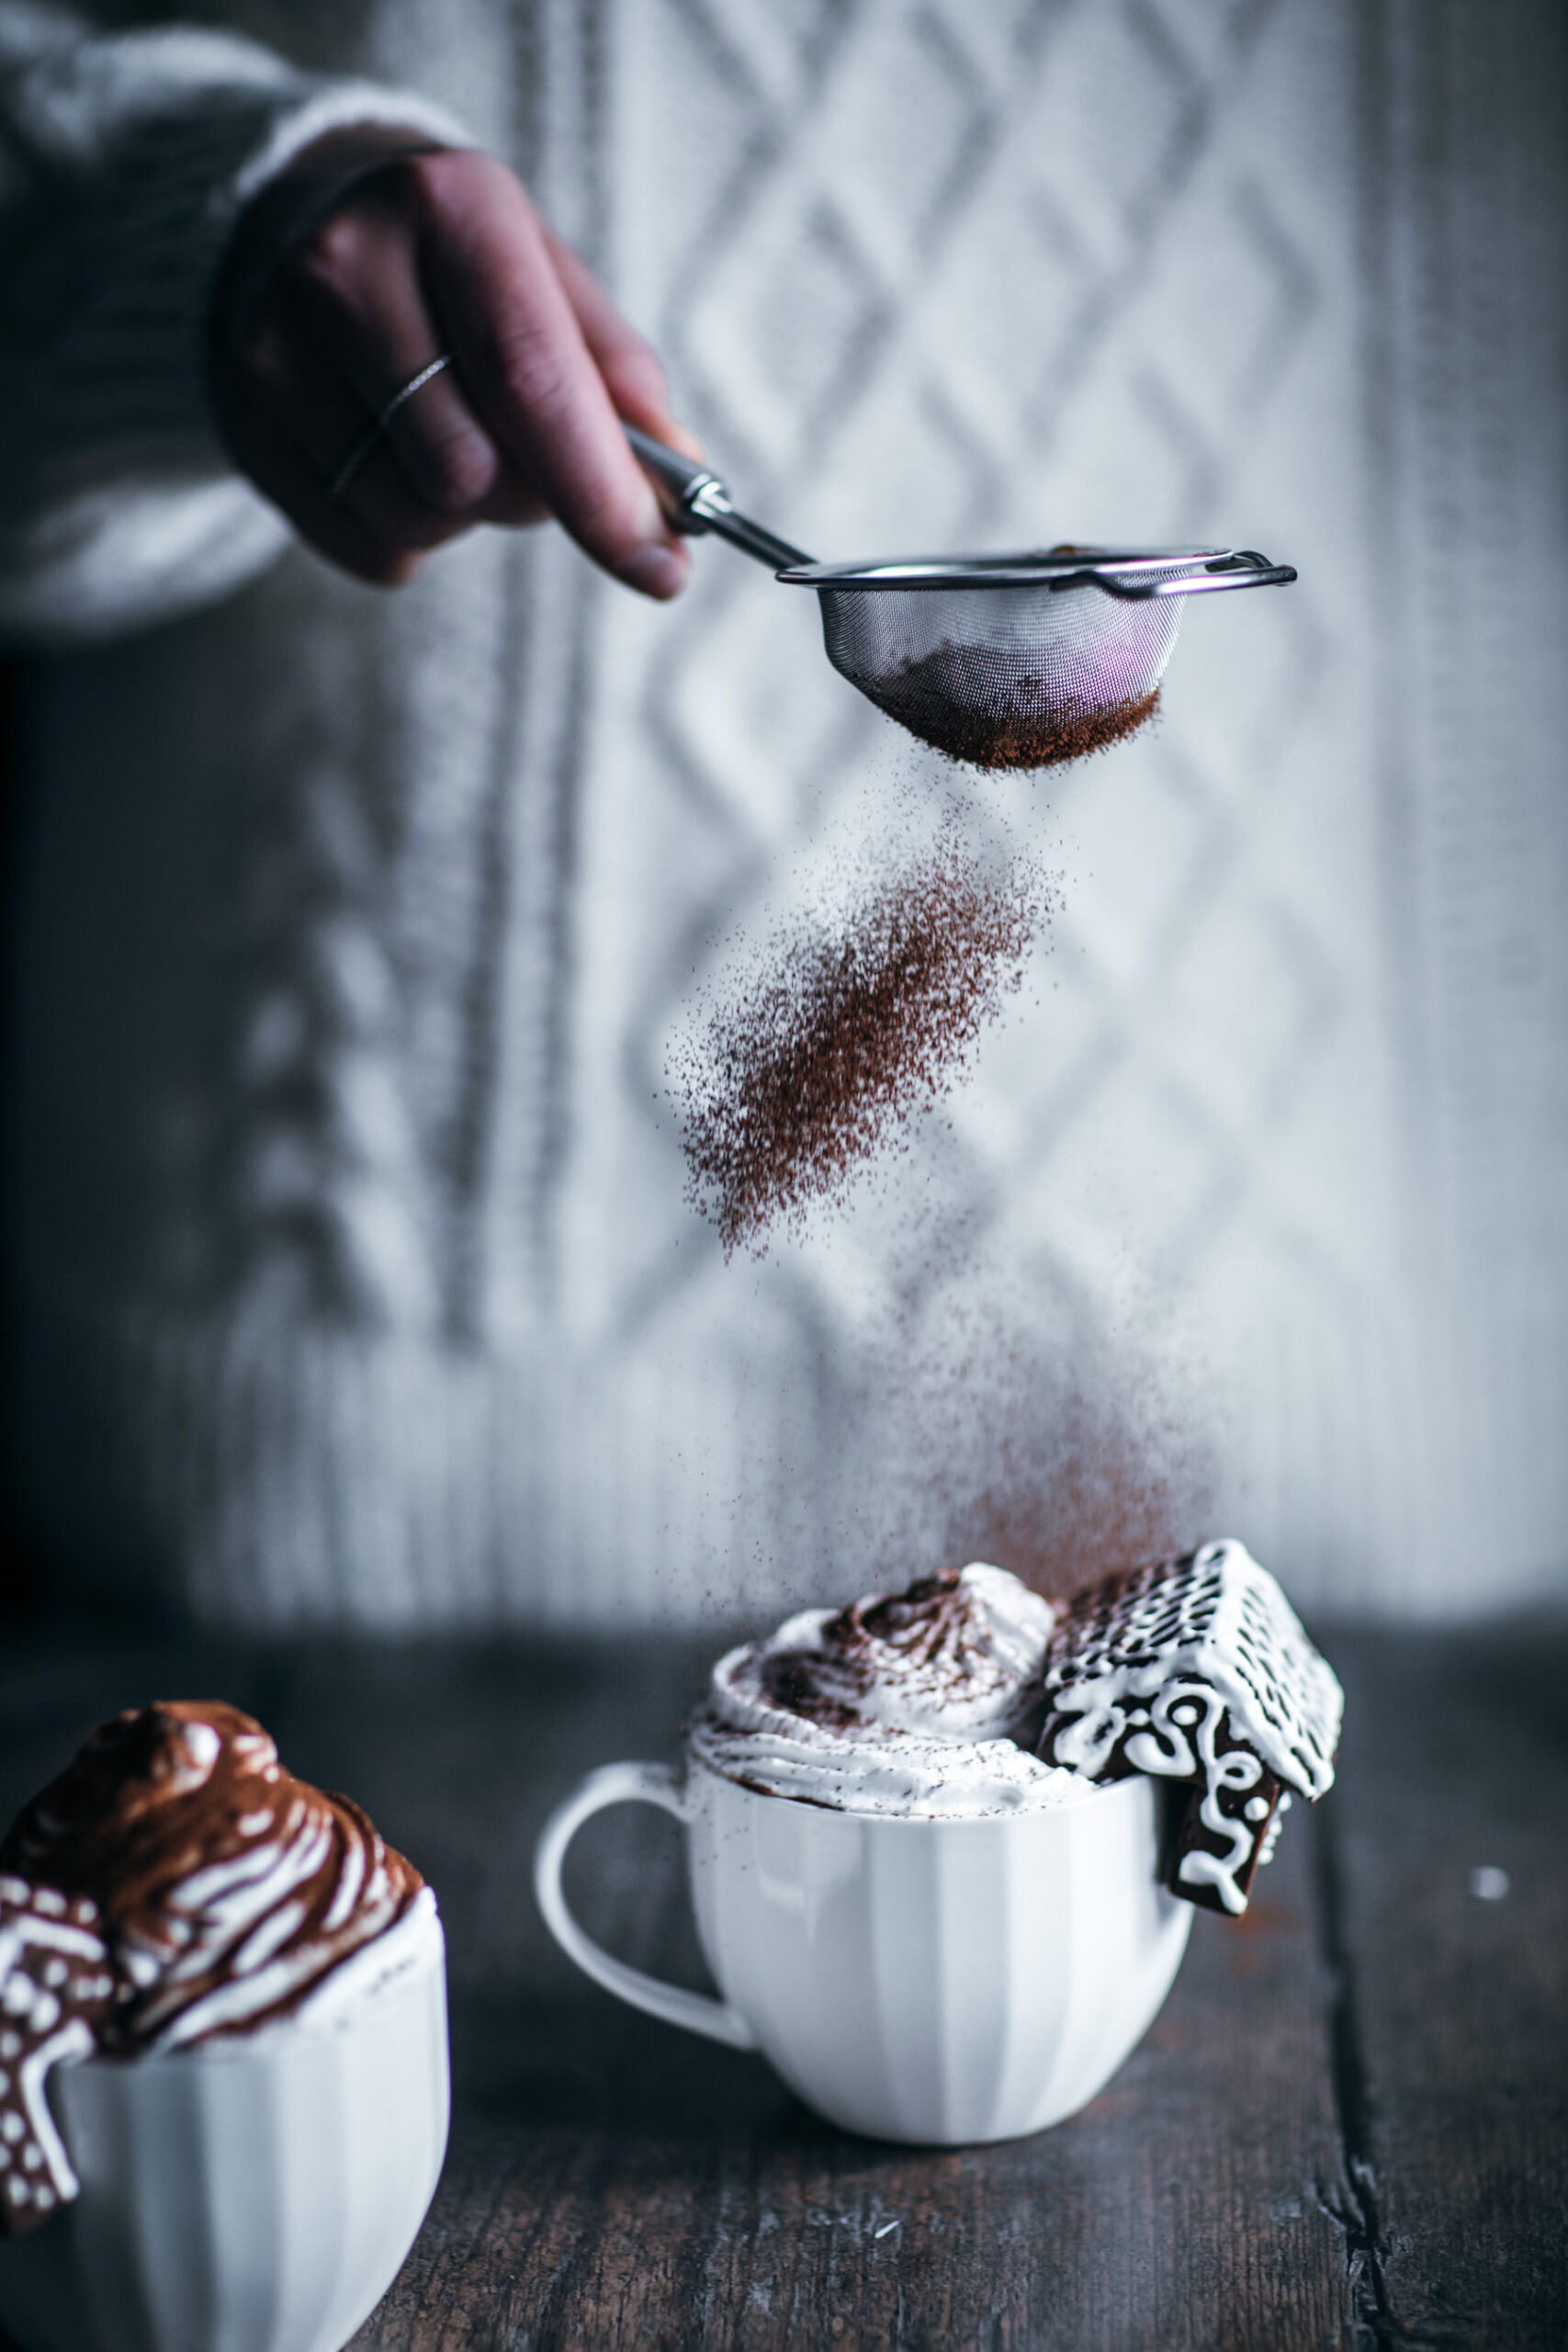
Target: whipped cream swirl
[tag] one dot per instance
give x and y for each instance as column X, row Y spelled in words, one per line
column 225, row 1891
column 927, row 1702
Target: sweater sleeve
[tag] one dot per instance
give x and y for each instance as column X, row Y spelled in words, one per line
column 125, row 162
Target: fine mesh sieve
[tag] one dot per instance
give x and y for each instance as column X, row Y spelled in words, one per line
column 1010, row 660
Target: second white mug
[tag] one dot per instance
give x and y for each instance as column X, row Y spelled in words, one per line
column 253, row 2194
column 939, row 1982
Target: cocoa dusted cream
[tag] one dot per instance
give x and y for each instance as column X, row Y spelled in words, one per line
column 926, row 1701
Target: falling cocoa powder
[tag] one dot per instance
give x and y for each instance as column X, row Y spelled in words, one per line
column 941, row 700
column 1001, row 1429
column 1093, row 1491
column 827, row 1058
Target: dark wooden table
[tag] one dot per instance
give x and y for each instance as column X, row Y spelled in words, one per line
column 1348, row 2126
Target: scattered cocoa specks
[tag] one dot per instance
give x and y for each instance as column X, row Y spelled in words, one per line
column 938, row 700
column 829, row 1053
column 1000, row 1430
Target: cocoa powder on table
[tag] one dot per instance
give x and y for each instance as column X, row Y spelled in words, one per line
column 826, row 1055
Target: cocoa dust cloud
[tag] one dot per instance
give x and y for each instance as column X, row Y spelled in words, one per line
column 843, row 1038
column 1038, row 1440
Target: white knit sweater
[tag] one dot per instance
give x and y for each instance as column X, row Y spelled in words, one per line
column 291, row 1109
column 126, row 161
column 351, row 1272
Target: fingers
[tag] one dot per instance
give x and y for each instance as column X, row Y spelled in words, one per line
column 266, row 448
column 442, row 253
column 492, row 275
column 632, row 373
column 356, row 302
column 337, row 337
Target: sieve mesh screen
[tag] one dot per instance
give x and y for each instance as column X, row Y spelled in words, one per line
column 1014, row 676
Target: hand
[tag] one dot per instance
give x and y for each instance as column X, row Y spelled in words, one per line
column 314, row 329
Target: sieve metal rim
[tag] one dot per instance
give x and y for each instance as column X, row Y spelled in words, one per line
column 694, row 499
column 1135, row 575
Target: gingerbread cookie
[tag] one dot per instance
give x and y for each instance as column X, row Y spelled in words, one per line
column 56, row 1986
column 1196, row 1670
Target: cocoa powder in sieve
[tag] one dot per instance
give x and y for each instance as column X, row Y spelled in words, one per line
column 936, row 700
column 826, row 1058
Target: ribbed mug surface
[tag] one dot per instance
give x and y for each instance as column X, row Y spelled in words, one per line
column 252, row 2195
column 937, row 1980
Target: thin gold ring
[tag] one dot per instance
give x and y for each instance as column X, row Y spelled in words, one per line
column 362, row 449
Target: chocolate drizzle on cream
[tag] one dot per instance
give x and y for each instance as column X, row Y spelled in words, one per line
column 175, row 1884
column 1197, row 1670
column 924, row 1702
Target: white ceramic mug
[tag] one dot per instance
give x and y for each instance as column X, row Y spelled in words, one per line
column 932, row 1981
column 253, row 2194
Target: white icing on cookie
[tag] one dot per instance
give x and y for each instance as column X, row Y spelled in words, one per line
column 55, row 1983
column 1147, row 1672
column 1219, row 1618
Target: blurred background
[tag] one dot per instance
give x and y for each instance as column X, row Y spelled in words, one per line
column 351, row 1274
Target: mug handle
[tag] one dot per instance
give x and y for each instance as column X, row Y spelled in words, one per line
column 625, row 1784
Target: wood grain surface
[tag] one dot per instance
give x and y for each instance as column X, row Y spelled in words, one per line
column 1454, row 2034
column 1348, row 2126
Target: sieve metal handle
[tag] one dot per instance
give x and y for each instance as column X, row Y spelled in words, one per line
column 1242, row 568
column 694, row 499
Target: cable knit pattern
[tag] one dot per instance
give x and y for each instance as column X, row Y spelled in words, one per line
column 352, row 1274
column 124, row 163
